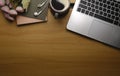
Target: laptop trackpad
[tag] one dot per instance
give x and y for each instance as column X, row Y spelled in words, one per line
column 103, row 32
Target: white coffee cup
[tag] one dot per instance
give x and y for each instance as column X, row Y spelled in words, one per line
column 59, row 8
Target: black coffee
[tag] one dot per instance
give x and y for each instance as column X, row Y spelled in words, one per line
column 57, row 5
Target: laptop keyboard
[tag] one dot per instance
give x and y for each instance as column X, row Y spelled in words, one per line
column 107, row 10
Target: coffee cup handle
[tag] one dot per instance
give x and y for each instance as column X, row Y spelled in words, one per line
column 56, row 15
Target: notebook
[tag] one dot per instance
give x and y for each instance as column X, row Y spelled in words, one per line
column 97, row 19
column 28, row 17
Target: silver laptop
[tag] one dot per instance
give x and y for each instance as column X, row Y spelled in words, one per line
column 97, row 19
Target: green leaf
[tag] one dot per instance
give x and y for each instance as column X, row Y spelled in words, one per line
column 25, row 4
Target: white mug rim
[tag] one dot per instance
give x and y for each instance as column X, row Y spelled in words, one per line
column 60, row 10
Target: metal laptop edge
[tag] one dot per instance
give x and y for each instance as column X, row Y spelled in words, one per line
column 93, row 28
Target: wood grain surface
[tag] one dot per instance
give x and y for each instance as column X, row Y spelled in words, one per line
column 48, row 49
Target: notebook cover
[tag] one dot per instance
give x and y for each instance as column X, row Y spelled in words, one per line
column 28, row 17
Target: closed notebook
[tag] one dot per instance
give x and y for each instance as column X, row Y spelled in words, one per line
column 28, row 17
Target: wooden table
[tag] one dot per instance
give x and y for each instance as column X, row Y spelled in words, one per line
column 48, row 49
